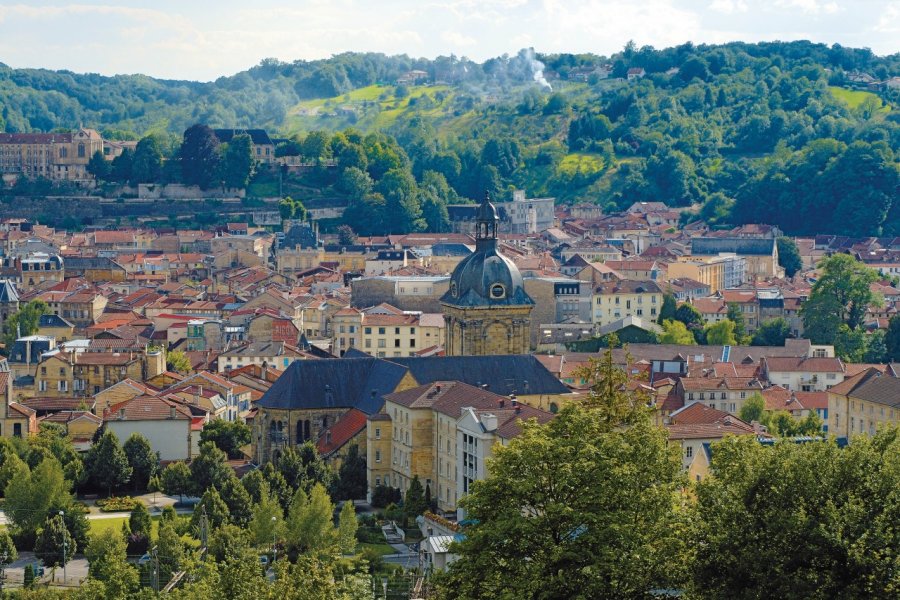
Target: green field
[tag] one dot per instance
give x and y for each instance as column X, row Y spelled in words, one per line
column 581, row 163
column 854, row 98
column 115, row 524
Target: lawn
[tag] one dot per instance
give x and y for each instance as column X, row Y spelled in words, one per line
column 853, row 98
column 581, row 163
column 383, row 549
column 98, row 526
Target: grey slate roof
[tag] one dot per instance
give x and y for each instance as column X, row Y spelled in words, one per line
column 8, row 294
column 258, row 136
column 346, row 383
column 349, row 382
column 748, row 246
column 504, row 374
column 53, row 321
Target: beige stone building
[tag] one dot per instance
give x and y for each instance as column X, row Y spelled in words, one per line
column 861, row 404
column 487, row 310
column 57, row 156
column 615, row 300
column 385, row 331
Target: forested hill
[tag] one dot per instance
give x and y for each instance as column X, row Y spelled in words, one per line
column 786, row 133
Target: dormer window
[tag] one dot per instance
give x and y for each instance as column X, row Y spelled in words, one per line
column 454, row 290
column 498, row 291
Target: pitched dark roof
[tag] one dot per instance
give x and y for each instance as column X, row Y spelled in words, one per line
column 520, row 373
column 345, row 383
column 258, row 136
column 8, row 294
column 53, row 321
column 747, row 246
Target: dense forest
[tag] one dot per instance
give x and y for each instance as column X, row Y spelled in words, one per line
column 783, row 133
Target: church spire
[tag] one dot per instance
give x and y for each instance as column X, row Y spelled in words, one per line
column 486, row 223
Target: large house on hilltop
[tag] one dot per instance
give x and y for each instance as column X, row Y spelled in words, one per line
column 56, row 156
column 262, row 147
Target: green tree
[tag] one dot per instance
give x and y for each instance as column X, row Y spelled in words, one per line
column 876, row 348
column 170, row 550
column 414, row 503
column 262, row 526
column 841, row 295
column 616, row 405
column 302, row 466
column 403, row 212
column 23, row 322
column 254, row 483
column 98, row 166
column 753, row 409
column 209, row 469
column 891, row 340
column 668, row 310
column 721, row 333
column 139, row 521
column 148, row 160
column 177, row 361
column 108, row 563
column 51, row 542
column 12, row 465
column 240, row 507
column 606, row 529
column 30, row 495
column 789, row 256
column 740, row 327
column 176, row 480
column 850, row 344
column 838, row 505
column 347, row 526
column 351, row 479
column 120, row 169
column 106, row 464
column 688, row 315
column 772, row 332
column 215, row 509
column 309, row 524
column 144, row 462
column 200, row 157
column 228, row 541
column 227, row 436
column 8, row 552
column 675, row 332
column 237, row 161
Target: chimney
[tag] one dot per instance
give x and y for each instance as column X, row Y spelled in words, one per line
column 513, row 401
column 485, row 386
column 172, row 412
column 121, row 414
column 437, row 388
column 489, row 421
column 502, row 403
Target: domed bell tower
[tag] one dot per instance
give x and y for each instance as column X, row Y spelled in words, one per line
column 486, row 309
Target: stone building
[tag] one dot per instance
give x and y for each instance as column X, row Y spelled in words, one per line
column 486, row 309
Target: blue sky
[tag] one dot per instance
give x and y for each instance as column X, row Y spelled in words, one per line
column 202, row 39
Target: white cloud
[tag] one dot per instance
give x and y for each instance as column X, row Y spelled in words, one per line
column 455, row 38
column 728, row 6
column 204, row 40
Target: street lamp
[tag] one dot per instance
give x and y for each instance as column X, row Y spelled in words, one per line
column 384, row 581
column 274, row 547
column 62, row 517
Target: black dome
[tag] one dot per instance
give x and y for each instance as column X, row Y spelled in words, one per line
column 486, row 278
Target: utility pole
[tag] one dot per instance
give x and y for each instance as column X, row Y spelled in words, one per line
column 154, row 576
column 65, row 532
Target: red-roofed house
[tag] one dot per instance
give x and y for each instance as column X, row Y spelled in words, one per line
column 165, row 424
column 335, row 441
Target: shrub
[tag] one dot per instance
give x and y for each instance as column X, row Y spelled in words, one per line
column 117, row 503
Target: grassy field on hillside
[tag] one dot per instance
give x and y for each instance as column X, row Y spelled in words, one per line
column 854, row 98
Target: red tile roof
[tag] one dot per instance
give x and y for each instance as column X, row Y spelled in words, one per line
column 345, row 429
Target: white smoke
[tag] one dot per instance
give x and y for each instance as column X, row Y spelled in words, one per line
column 537, row 69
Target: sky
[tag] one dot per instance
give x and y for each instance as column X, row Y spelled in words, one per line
column 206, row 39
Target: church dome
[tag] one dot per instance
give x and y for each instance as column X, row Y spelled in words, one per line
column 486, row 278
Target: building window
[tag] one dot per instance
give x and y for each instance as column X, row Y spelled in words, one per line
column 377, row 433
column 689, row 451
column 378, row 456
column 381, row 331
column 81, row 151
